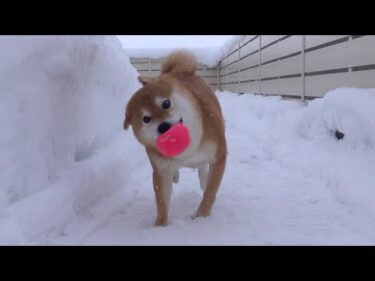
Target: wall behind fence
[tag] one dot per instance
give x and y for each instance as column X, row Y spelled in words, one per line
column 151, row 68
column 298, row 66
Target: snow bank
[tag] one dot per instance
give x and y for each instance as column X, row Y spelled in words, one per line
column 302, row 139
column 348, row 110
column 61, row 100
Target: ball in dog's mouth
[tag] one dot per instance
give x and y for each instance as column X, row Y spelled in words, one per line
column 174, row 141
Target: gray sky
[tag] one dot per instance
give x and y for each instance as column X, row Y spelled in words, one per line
column 173, row 41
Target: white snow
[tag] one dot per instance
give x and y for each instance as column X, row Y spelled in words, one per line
column 61, row 101
column 70, row 175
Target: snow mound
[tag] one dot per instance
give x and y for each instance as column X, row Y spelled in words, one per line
column 301, row 140
column 62, row 99
column 348, row 110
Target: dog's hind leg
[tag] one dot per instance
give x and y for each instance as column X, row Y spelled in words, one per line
column 176, row 176
column 203, row 176
column 215, row 175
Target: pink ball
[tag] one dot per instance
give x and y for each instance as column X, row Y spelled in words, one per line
column 174, row 141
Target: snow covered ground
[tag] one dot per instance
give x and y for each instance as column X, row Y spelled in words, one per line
column 288, row 181
column 69, row 174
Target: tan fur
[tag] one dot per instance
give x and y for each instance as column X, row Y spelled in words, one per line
column 208, row 146
column 179, row 62
column 144, row 80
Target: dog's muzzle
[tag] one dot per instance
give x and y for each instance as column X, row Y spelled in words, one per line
column 165, row 126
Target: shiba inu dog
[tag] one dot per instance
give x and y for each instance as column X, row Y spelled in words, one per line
column 179, row 95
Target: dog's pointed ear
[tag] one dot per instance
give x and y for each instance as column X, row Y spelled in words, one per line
column 127, row 119
column 144, row 80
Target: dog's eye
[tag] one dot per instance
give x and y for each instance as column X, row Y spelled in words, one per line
column 166, row 104
column 146, row 119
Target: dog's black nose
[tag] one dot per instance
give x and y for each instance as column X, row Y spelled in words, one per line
column 163, row 127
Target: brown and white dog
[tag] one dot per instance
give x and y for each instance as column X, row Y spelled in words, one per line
column 178, row 95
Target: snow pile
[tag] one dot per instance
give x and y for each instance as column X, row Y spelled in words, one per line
column 348, row 110
column 302, row 141
column 62, row 100
column 351, row 162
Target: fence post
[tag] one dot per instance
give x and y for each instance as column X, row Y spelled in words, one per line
column 348, row 46
column 218, row 75
column 260, row 66
column 226, row 74
column 303, row 69
column 238, row 62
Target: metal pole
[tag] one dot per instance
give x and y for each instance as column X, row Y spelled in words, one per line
column 303, row 68
column 260, row 66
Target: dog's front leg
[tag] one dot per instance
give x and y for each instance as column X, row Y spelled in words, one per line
column 163, row 189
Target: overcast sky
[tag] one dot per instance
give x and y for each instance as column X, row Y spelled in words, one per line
column 172, row 41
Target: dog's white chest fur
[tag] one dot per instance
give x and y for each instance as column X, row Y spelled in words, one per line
column 203, row 155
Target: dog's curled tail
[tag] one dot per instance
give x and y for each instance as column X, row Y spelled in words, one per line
column 179, row 62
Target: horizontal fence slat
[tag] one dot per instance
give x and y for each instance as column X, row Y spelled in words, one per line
column 252, row 73
column 231, row 78
column 249, row 87
column 361, row 51
column 269, row 39
column 151, row 68
column 315, row 40
column 250, row 48
column 317, row 86
column 250, row 61
column 247, row 40
column 289, row 86
column 210, row 80
column 283, row 67
column 335, row 56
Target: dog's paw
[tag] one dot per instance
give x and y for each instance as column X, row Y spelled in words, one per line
column 200, row 213
column 161, row 222
column 194, row 216
column 176, row 177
